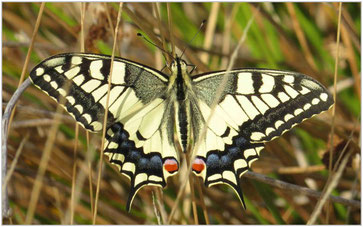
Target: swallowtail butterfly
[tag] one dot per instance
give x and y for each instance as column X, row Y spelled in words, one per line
column 147, row 108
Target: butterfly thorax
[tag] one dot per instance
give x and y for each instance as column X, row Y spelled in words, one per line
column 180, row 84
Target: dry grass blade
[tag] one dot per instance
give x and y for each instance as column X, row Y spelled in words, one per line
column 211, row 26
column 81, row 177
column 205, row 211
column 30, row 49
column 286, row 36
column 82, row 9
column 333, row 183
column 44, row 162
column 335, row 98
column 106, row 113
column 13, row 164
column 298, row 189
column 300, row 35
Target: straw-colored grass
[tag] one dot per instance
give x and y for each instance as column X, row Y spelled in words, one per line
column 292, row 36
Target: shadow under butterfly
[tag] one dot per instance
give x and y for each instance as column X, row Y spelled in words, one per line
column 146, row 108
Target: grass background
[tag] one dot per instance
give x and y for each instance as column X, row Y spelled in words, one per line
column 292, row 36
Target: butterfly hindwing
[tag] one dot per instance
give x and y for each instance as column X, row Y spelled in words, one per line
column 255, row 106
column 138, row 138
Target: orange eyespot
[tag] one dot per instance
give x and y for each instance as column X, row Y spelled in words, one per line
column 198, row 165
column 171, row 165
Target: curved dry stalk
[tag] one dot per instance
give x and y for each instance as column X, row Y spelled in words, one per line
column 27, row 58
column 4, row 135
column 299, row 189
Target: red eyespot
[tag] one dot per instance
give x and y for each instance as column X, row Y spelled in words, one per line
column 171, row 165
column 198, row 165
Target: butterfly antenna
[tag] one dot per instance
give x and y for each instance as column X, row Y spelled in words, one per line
column 200, row 28
column 164, row 51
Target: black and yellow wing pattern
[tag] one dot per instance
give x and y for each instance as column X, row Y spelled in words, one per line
column 148, row 109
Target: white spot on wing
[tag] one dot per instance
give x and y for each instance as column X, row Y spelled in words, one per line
column 307, row 106
column 46, row 77
column 71, row 100
column 39, row 71
column 54, row 62
column 261, row 106
column 72, row 72
column 239, row 164
column 298, row 111
column 62, row 92
column 100, row 92
column 118, row 73
column 283, row 96
column 324, row 96
column 79, row 108
column 249, row 152
column 288, row 79
column 270, row 100
column 91, row 85
column 96, row 126
column 231, row 107
column 288, row 117
column 76, row 60
column 268, row 82
column 59, row 69
column 257, row 136
column 247, row 106
column 304, row 90
column 155, row 178
column 258, row 150
column 229, row 175
column 114, row 94
column 269, row 130
column 141, row 177
column 245, row 83
column 129, row 166
column 119, row 157
column 315, row 101
column 214, row 177
column 310, row 84
column 291, row 91
column 95, row 69
column 278, row 124
column 89, row 119
column 54, row 84
column 79, row 79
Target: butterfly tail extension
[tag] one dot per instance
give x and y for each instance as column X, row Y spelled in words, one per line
column 226, row 167
column 142, row 169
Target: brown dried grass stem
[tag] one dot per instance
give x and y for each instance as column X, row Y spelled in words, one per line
column 106, row 113
column 298, row 189
column 44, row 163
column 27, row 58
